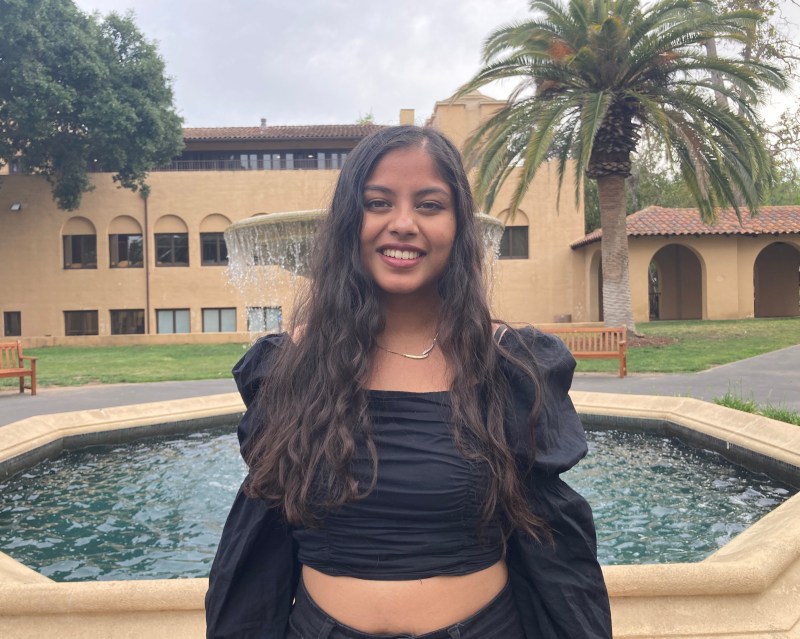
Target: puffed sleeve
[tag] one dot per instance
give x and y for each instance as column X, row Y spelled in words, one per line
column 558, row 586
column 255, row 571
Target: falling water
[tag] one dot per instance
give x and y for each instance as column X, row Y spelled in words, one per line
column 269, row 254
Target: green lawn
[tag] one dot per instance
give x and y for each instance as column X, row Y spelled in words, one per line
column 667, row 347
column 695, row 345
column 75, row 366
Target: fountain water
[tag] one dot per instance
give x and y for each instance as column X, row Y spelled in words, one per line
column 268, row 252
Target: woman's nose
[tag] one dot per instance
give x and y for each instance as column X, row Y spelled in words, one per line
column 404, row 221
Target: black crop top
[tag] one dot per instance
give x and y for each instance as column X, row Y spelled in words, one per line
column 422, row 518
column 557, row 586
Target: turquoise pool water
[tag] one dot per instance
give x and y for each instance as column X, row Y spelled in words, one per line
column 155, row 508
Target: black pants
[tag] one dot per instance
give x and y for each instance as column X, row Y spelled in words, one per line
column 496, row 620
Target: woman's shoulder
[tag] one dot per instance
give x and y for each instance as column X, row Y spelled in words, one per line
column 548, row 353
column 254, row 365
column 560, row 441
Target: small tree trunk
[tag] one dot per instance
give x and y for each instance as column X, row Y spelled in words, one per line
column 617, row 307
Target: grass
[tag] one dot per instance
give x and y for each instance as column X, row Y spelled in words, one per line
column 76, row 366
column 696, row 345
column 779, row 413
column 667, row 347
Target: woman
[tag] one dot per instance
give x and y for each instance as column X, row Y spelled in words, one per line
column 403, row 450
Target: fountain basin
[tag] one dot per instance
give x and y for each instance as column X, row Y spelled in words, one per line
column 750, row 586
column 150, row 509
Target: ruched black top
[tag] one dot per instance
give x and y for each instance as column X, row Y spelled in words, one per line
column 558, row 587
column 422, row 519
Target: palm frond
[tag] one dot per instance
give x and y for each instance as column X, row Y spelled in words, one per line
column 589, row 70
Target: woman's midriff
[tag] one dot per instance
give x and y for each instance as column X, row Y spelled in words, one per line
column 412, row 606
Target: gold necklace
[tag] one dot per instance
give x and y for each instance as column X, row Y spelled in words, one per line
column 423, row 355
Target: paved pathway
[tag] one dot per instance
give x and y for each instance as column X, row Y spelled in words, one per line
column 54, row 399
column 773, row 378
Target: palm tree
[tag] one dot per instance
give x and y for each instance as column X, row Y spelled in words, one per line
column 591, row 76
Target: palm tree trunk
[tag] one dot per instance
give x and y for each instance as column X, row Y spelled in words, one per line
column 617, row 308
column 716, row 78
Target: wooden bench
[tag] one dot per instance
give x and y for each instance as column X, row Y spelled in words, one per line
column 12, row 364
column 596, row 343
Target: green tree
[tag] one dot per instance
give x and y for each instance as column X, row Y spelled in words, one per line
column 591, row 76
column 81, row 93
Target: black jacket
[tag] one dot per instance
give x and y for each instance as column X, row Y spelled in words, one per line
column 558, row 588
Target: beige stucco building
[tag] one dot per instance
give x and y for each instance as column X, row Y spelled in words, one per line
column 681, row 268
column 125, row 269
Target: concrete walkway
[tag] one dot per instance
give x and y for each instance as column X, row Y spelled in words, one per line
column 15, row 406
column 773, row 378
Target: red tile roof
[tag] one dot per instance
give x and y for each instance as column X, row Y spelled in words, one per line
column 657, row 220
column 255, row 133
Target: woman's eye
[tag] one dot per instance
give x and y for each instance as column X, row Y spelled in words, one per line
column 430, row 206
column 377, row 205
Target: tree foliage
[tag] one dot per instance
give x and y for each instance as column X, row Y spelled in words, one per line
column 592, row 76
column 81, row 93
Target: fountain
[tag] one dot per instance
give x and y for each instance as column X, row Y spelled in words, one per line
column 268, row 252
column 750, row 587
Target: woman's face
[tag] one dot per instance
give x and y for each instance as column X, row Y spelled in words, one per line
column 409, row 224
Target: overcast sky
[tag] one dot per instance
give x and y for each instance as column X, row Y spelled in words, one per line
column 316, row 61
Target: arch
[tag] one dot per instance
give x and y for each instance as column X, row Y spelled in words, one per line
column 775, row 281
column 125, row 243
column 520, row 218
column 515, row 242
column 171, row 241
column 680, row 285
column 595, row 291
column 214, row 223
column 170, row 224
column 124, row 225
column 79, row 242
column 78, row 225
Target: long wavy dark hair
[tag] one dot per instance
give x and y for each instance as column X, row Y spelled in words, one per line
column 313, row 402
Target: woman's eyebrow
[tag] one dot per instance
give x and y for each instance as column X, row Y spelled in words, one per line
column 437, row 190
column 426, row 191
column 377, row 187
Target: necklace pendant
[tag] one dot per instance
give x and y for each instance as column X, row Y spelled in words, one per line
column 423, row 355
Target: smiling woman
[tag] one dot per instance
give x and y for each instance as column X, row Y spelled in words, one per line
column 393, row 488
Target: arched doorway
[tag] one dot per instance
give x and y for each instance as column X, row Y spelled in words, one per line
column 775, row 281
column 676, row 283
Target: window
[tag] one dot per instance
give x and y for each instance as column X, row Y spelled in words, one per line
column 80, row 322
column 173, row 320
column 172, row 249
column 80, row 251
column 248, row 161
column 214, row 251
column 12, row 324
column 264, row 319
column 127, row 322
column 514, row 243
column 219, row 320
column 125, row 250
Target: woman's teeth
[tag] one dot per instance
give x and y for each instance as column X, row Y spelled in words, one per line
column 401, row 255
